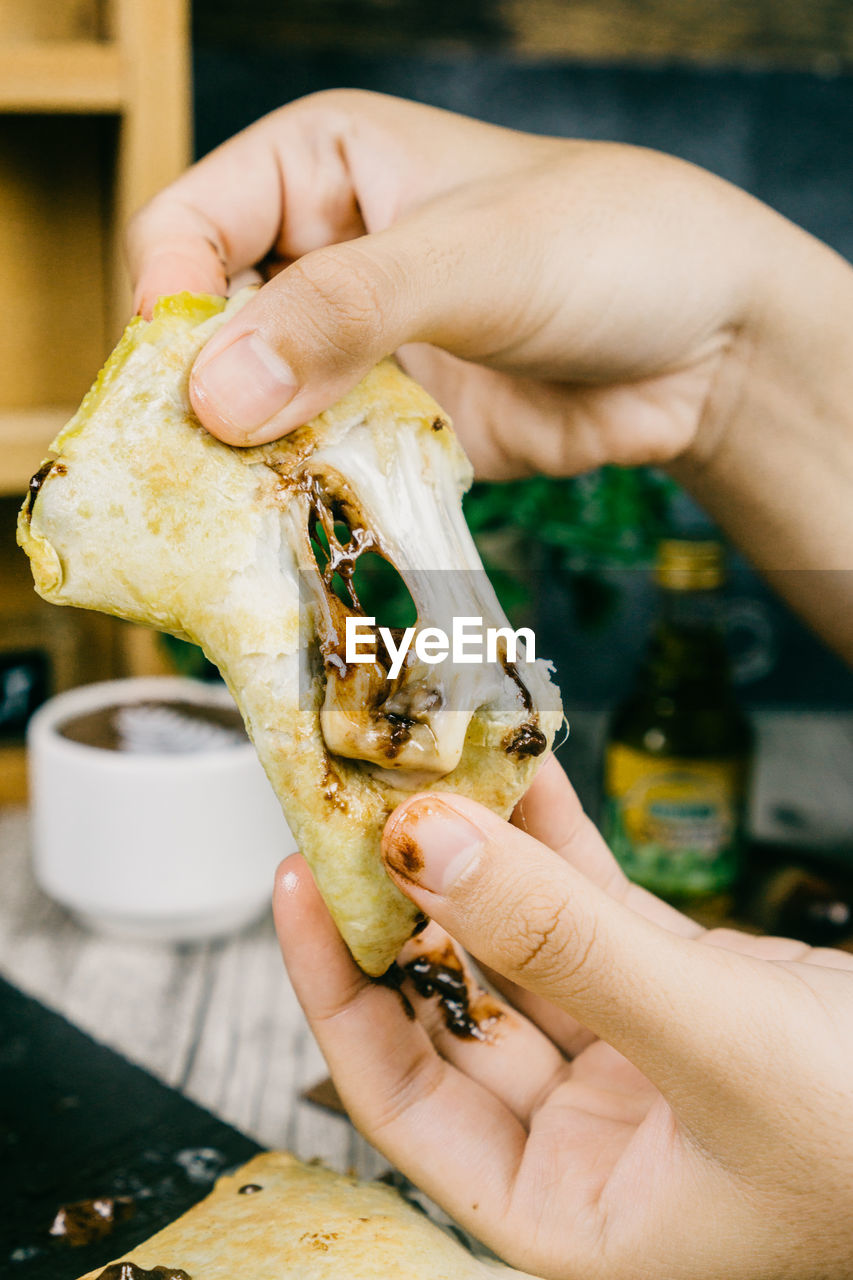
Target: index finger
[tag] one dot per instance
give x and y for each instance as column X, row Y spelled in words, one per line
column 316, row 172
column 551, row 812
column 221, row 215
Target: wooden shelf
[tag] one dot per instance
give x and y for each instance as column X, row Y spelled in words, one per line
column 24, row 438
column 61, row 76
column 13, row 774
column 94, row 119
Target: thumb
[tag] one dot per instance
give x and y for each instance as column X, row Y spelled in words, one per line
column 310, row 334
column 684, row 1014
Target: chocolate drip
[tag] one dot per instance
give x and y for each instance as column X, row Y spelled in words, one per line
column 83, row 1221
column 511, row 670
column 393, row 978
column 39, row 478
column 131, row 1271
column 325, row 511
column 441, row 974
column 528, row 739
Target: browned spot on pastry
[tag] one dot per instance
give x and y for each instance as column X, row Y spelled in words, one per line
column 319, row 1240
column 330, row 785
column 83, row 1221
column 440, row 974
column 438, row 424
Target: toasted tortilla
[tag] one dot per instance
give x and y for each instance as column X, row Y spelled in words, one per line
column 139, row 512
column 307, row 1223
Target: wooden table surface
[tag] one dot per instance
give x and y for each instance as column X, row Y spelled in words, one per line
column 220, row 1021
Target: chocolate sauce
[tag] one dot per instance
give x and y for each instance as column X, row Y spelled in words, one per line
column 400, row 1183
column 39, row 478
column 130, row 1271
column 331, row 784
column 441, row 974
column 525, row 741
column 325, row 511
column 83, row 1221
column 401, row 731
column 393, row 978
column 405, row 856
column 420, row 924
column 136, row 726
column 512, row 671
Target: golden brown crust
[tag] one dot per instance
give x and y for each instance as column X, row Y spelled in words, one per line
column 306, row 1223
column 148, row 517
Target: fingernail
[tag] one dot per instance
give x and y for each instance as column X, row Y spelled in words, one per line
column 246, row 383
column 431, row 845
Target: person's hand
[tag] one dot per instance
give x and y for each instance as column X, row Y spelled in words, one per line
column 595, row 293
column 656, row 1101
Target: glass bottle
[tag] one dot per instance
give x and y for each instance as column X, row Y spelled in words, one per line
column 678, row 751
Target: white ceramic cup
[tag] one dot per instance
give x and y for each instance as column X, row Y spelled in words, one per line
column 164, row 847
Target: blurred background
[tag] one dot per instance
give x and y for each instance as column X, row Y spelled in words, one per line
column 104, row 102
column 710, row 733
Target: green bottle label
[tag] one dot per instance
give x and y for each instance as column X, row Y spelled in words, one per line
column 674, row 825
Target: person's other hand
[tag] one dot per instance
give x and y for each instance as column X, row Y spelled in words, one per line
column 655, row 1100
column 581, row 302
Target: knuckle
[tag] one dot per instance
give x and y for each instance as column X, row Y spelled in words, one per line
column 415, row 1083
column 351, row 998
column 345, row 294
column 138, row 223
column 338, row 99
column 722, row 937
column 540, row 940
